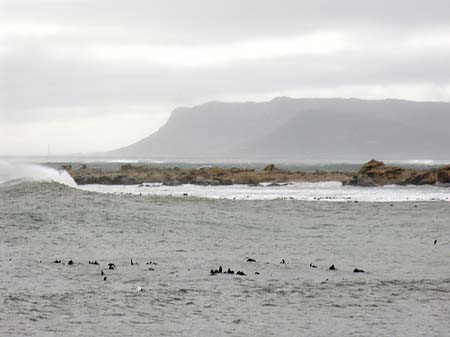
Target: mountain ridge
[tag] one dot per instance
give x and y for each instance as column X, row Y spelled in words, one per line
column 301, row 128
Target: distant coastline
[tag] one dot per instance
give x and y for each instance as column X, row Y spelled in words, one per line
column 372, row 173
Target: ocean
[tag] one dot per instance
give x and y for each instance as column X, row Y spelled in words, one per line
column 176, row 235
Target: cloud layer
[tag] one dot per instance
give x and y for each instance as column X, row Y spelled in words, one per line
column 65, row 64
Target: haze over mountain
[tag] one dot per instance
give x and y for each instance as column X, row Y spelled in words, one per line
column 287, row 128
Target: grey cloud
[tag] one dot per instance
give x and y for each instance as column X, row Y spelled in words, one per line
column 197, row 21
column 40, row 85
column 36, row 85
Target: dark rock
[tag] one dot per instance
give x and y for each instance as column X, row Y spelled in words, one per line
column 171, row 182
column 370, row 166
column 269, row 168
column 365, row 181
column 124, row 180
column 422, row 178
column 443, row 175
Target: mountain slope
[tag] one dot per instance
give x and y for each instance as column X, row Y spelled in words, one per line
column 302, row 129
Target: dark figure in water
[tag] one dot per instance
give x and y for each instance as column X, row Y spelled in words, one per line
column 356, row 270
column 104, row 279
column 220, row 269
column 282, row 261
column 312, row 265
column 102, row 273
column 241, row 273
column 435, row 241
column 332, row 267
column 56, row 261
column 251, row 260
column 70, row 262
column 132, row 262
column 229, row 271
column 111, row 266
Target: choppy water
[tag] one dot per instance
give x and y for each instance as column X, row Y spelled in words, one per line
column 404, row 292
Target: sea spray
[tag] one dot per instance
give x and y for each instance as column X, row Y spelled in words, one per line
column 12, row 171
column 320, row 191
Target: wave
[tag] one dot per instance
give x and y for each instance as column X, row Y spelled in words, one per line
column 11, row 172
column 322, row 191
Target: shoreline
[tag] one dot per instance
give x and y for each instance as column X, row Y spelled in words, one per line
column 372, row 173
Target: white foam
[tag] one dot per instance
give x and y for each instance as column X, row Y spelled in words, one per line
column 323, row 191
column 10, row 171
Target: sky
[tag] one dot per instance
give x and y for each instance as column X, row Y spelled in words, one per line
column 80, row 76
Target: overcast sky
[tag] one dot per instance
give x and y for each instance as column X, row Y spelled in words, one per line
column 94, row 75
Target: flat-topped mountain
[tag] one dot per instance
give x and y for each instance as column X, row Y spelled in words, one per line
column 306, row 128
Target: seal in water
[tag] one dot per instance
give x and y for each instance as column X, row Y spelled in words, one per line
column 332, row 267
column 356, row 270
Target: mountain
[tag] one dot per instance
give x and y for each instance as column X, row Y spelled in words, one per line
column 307, row 128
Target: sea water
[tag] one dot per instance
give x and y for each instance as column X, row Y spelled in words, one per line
column 389, row 233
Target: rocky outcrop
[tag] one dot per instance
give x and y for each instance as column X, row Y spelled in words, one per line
column 373, row 173
column 443, row 175
column 422, row 178
column 376, row 173
column 133, row 175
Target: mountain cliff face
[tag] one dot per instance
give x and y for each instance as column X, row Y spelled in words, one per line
column 302, row 129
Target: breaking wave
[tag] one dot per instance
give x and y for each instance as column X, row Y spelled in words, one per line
column 19, row 172
column 322, row 191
